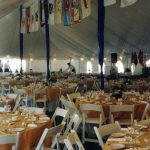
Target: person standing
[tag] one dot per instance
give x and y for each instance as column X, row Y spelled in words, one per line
column 71, row 68
column 1, row 66
column 7, row 67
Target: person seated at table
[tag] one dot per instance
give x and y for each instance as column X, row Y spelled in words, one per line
column 7, row 67
column 70, row 69
column 1, row 66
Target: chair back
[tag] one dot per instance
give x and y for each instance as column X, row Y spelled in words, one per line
column 69, row 105
column 73, row 123
column 73, row 96
column 60, row 112
column 121, row 108
column 92, row 107
column 10, row 139
column 106, row 130
column 52, row 132
column 73, row 139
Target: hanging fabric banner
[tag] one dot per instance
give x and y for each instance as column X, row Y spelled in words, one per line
column 85, row 8
column 42, row 15
column 75, row 12
column 23, row 21
column 67, row 13
column 51, row 11
column 28, row 19
column 141, row 58
column 101, row 23
column 37, row 16
column 32, row 18
column 58, row 11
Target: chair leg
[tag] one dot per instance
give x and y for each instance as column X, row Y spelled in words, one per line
column 83, row 132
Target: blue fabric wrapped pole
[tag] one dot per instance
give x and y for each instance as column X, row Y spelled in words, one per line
column 21, row 42
column 47, row 36
column 101, row 23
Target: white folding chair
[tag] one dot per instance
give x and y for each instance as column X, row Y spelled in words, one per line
column 17, row 103
column 5, row 87
column 23, row 94
column 87, row 120
column 146, row 112
column 42, row 99
column 10, row 139
column 73, row 96
column 59, row 112
column 72, row 125
column 73, row 139
column 125, row 109
column 12, row 95
column 53, row 132
column 69, row 105
column 106, row 130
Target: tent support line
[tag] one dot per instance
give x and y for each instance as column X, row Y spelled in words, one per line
column 47, row 36
column 21, row 42
column 101, row 23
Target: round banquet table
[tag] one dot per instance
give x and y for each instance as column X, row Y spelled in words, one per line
column 29, row 137
column 138, row 110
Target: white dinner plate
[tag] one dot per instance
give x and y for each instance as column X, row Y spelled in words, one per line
column 41, row 121
column 118, row 135
column 18, row 129
column 117, row 146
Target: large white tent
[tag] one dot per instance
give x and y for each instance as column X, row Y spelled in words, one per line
column 125, row 28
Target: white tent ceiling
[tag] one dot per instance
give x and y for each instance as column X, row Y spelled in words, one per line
column 125, row 28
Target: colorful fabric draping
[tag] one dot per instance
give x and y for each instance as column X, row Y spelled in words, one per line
column 67, row 13
column 51, row 10
column 85, row 8
column 134, row 58
column 58, row 11
column 76, row 12
column 141, row 58
column 101, row 22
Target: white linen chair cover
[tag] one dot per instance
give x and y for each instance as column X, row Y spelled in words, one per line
column 10, row 139
column 106, row 130
column 99, row 121
column 73, row 139
column 122, row 108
